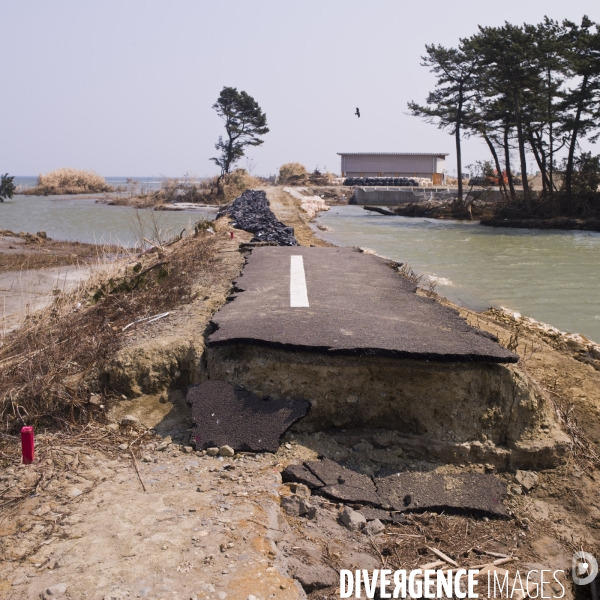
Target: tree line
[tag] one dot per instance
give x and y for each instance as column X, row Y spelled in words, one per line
column 530, row 88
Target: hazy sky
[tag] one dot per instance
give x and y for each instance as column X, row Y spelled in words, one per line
column 126, row 87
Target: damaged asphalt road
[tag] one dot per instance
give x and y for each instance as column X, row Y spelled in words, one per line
column 339, row 301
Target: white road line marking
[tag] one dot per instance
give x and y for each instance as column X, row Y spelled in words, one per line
column 298, row 291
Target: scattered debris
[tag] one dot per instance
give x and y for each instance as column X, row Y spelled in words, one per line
column 227, row 415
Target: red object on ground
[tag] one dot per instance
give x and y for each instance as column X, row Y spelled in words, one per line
column 231, row 234
column 27, row 445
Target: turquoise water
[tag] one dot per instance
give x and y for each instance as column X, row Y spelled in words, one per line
column 83, row 220
column 551, row 276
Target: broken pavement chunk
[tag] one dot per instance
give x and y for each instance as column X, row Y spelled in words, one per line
column 403, row 492
column 429, row 491
column 224, row 415
column 343, row 484
column 300, row 474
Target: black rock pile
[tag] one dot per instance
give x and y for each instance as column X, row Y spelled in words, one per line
column 379, row 181
column 251, row 212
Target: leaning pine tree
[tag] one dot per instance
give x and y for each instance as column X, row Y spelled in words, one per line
column 244, row 122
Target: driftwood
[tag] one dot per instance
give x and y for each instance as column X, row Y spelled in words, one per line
column 381, row 211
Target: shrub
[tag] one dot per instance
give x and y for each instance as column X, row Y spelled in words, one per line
column 7, row 187
column 70, row 181
column 293, row 174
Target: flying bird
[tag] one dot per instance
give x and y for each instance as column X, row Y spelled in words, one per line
column 357, row 113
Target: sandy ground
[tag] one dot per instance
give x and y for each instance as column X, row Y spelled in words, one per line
column 212, row 528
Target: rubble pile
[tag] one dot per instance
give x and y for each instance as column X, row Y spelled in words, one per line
column 251, row 212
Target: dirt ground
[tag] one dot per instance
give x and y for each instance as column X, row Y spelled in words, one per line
column 212, row 527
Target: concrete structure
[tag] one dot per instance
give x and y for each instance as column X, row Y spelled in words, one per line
column 394, row 164
column 390, row 196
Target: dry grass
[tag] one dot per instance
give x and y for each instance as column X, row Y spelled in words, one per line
column 54, row 254
column 69, row 181
column 293, row 174
column 192, row 190
column 47, row 366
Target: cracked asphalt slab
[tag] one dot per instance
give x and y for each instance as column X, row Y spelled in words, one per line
column 354, row 304
column 403, row 491
column 224, row 414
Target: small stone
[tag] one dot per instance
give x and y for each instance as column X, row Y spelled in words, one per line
column 75, row 492
column 123, row 446
column 226, row 451
column 516, row 490
column 374, row 527
column 298, row 507
column 163, row 398
column 212, row 451
column 490, row 469
column 363, row 447
column 288, row 446
column 96, row 399
column 527, row 479
column 352, row 519
column 222, row 595
column 112, row 427
column 208, row 587
column 300, row 490
column 188, row 449
column 130, row 421
column 251, row 597
column 57, row 590
column 146, row 458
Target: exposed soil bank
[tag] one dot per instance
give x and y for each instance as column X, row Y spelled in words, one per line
column 451, row 404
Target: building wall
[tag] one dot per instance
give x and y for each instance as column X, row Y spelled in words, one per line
column 386, row 165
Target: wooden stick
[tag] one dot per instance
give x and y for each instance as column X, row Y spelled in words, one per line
column 136, row 469
column 443, row 556
column 503, row 561
column 496, row 554
column 432, row 565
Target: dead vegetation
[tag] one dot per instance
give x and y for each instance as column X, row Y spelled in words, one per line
column 188, row 189
column 291, row 174
column 69, row 181
column 47, row 366
column 24, row 251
